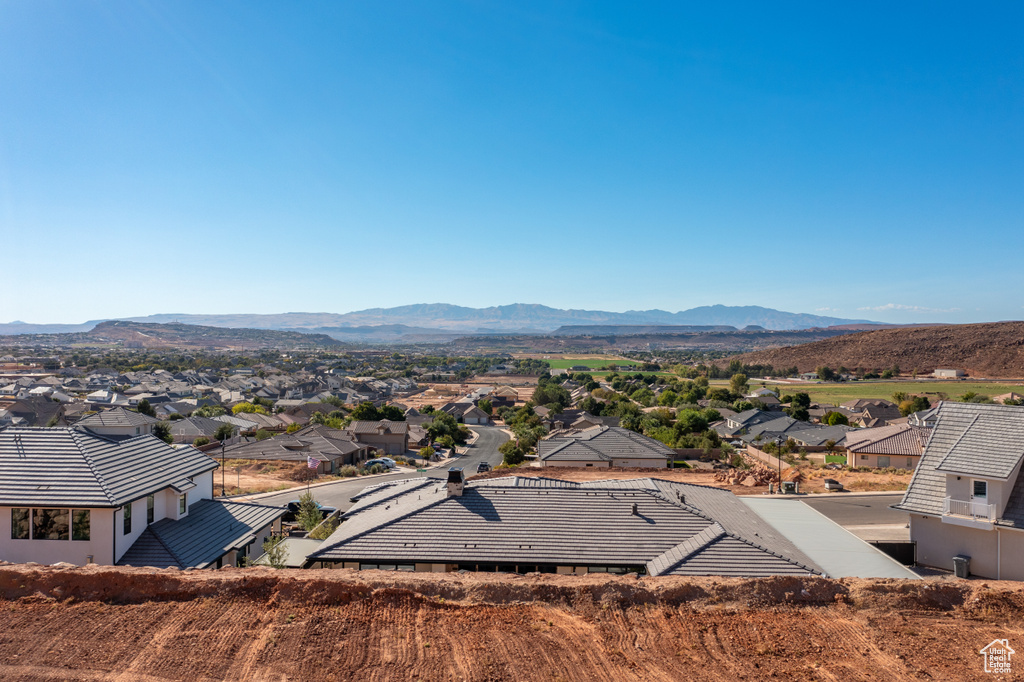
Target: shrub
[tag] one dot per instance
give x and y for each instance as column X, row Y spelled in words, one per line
column 348, row 471
column 262, row 434
column 324, row 530
column 202, row 440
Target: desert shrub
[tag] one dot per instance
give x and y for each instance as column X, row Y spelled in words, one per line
column 324, row 530
column 202, row 440
column 348, row 471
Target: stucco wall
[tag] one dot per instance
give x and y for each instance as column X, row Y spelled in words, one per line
column 100, row 544
column 938, row 543
column 867, row 459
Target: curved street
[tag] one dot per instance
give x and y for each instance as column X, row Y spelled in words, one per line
column 484, row 449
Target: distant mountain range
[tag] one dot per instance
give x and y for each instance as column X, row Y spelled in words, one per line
column 436, row 320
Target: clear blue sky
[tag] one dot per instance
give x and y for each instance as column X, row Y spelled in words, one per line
column 863, row 161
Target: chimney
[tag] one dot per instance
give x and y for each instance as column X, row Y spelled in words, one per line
column 456, row 479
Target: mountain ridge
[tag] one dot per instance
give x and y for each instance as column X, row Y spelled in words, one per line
column 449, row 318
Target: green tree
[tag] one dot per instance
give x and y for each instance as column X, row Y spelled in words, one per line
column 223, row 432
column 145, row 408
column 162, row 430
column 202, row 440
column 277, row 554
column 738, row 384
column 366, row 412
column 800, row 400
column 293, row 427
column 262, row 434
column 826, row 373
column 248, row 408
column 512, row 453
column 835, row 418
column 309, row 515
column 426, row 453
column 486, row 406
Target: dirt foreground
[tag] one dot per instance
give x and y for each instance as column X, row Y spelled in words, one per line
column 102, row 623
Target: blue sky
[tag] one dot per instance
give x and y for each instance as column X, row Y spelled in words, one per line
column 862, row 161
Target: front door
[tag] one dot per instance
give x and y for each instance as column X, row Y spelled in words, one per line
column 979, row 498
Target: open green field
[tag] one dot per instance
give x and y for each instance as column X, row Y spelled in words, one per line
column 591, row 362
column 840, row 393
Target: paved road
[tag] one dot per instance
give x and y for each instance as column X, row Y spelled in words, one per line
column 485, row 449
column 860, row 510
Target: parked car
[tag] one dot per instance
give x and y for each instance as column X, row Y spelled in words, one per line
column 833, row 484
column 383, row 461
column 482, row 467
column 293, row 510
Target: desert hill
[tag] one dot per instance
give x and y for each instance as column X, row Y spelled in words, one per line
column 993, row 350
column 187, row 335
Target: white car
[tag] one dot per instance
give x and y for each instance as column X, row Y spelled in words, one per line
column 385, row 462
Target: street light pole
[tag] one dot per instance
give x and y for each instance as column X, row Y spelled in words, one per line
column 778, row 455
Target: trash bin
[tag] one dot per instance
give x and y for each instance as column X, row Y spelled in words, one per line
column 961, row 566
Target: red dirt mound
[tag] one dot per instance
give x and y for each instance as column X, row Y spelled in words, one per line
column 259, row 624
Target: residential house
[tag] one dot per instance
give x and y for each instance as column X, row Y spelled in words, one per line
column 647, row 526
column 466, row 413
column 118, row 422
column 332, row 447
column 69, row 495
column 390, row 437
column 188, row 429
column 967, row 495
column 602, row 446
column 886, row 446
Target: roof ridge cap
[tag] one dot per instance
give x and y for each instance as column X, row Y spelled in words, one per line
column 87, row 456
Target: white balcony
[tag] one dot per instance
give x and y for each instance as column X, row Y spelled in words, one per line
column 968, row 513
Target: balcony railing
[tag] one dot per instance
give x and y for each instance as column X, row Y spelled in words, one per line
column 979, row 511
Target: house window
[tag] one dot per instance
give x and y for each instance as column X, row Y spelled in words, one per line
column 150, row 509
column 883, row 461
column 80, row 524
column 979, row 490
column 51, row 524
column 19, row 524
column 127, row 519
column 136, row 430
column 863, row 457
column 910, row 462
column 182, row 505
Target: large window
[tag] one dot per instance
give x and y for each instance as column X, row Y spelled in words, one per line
column 51, row 524
column 19, row 524
column 128, row 519
column 182, row 505
column 883, row 461
column 150, row 509
column 80, row 524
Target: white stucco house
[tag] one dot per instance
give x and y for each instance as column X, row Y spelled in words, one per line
column 73, row 495
column 967, row 495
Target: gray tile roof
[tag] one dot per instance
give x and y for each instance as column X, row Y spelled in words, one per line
column 193, row 427
column 901, row 439
column 75, row 468
column 316, row 440
column 117, row 416
column 383, row 426
column 986, row 441
column 212, row 529
column 529, row 520
column 602, row 442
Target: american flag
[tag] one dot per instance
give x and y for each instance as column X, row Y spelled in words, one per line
column 312, row 462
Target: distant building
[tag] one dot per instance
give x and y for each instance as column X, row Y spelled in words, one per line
column 949, row 373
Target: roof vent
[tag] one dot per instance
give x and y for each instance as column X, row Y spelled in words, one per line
column 635, row 512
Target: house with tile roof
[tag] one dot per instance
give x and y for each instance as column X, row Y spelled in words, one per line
column 118, row 422
column 967, row 495
column 72, row 495
column 333, row 447
column 643, row 526
column 602, row 446
column 388, row 436
column 898, row 446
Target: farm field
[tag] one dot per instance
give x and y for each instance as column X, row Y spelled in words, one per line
column 592, row 362
column 840, row 393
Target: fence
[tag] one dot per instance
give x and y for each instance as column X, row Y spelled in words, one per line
column 764, row 457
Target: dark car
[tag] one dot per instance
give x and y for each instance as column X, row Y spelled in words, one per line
column 293, row 510
column 482, row 467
